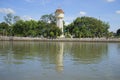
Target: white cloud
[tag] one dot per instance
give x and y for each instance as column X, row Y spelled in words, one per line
column 7, row 10
column 110, row 0
column 82, row 13
column 118, row 12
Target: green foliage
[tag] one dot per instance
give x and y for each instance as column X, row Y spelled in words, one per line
column 19, row 28
column 51, row 34
column 51, row 31
column 118, row 32
column 9, row 18
column 48, row 18
column 33, row 28
column 25, row 28
column 81, row 27
column 67, row 35
column 4, row 28
column 88, row 27
column 16, row 18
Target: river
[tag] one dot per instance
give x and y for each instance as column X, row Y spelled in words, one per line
column 29, row 60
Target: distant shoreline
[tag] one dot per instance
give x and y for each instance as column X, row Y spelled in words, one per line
column 6, row 38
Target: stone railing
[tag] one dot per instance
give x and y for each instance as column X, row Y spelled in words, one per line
column 11, row 38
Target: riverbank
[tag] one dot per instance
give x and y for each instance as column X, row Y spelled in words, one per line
column 6, row 38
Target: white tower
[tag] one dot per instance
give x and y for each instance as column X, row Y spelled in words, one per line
column 59, row 14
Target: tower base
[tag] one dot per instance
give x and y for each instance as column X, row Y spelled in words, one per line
column 62, row 36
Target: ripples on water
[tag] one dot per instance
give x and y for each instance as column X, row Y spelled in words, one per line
column 59, row 61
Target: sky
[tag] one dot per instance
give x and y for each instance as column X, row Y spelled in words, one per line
column 105, row 10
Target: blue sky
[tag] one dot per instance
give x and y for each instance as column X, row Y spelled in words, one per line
column 106, row 10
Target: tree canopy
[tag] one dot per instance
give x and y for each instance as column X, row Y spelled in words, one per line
column 118, row 32
column 48, row 18
column 15, row 26
column 87, row 27
column 81, row 27
column 33, row 28
column 4, row 28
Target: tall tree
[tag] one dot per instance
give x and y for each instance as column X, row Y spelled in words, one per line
column 16, row 18
column 4, row 28
column 88, row 27
column 32, row 28
column 48, row 18
column 41, row 28
column 19, row 28
column 9, row 18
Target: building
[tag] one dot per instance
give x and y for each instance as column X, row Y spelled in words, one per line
column 59, row 14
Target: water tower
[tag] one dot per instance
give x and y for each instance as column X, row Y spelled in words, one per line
column 59, row 14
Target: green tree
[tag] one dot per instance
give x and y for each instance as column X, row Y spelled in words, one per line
column 57, row 32
column 51, row 34
column 51, row 28
column 41, row 28
column 31, row 25
column 118, row 32
column 48, row 18
column 16, row 18
column 19, row 28
column 4, row 28
column 25, row 28
column 88, row 27
column 9, row 18
column 76, row 31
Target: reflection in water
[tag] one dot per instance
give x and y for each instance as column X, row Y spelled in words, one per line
column 20, row 52
column 36, row 56
column 44, row 61
column 59, row 58
column 88, row 52
column 118, row 47
column 52, row 52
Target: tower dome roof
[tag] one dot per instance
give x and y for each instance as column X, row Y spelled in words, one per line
column 59, row 11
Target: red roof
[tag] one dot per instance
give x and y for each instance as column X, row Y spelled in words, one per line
column 59, row 11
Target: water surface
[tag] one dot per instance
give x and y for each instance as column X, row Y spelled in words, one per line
column 59, row 61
